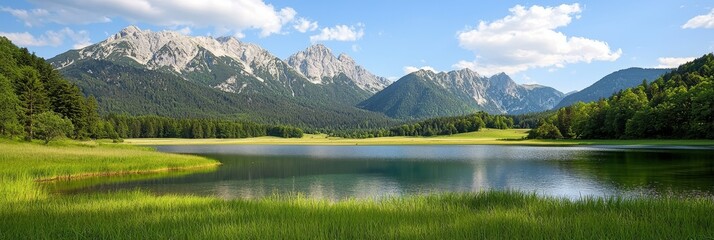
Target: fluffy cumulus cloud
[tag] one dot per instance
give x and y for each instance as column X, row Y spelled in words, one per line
column 303, row 25
column 527, row 38
column 79, row 39
column 672, row 62
column 411, row 69
column 340, row 33
column 701, row 21
column 236, row 15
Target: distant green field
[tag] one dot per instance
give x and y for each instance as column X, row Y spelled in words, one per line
column 490, row 133
column 28, row 210
column 483, row 137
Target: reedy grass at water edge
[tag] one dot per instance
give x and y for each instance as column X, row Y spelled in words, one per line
column 28, row 211
column 22, row 164
column 491, row 214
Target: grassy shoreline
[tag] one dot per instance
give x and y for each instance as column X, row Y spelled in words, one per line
column 28, row 210
column 484, row 137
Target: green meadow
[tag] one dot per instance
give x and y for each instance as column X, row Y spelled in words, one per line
column 486, row 136
column 29, row 210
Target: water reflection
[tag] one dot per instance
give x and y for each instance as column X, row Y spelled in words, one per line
column 338, row 172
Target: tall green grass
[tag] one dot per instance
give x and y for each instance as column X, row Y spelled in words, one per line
column 491, row 215
column 23, row 164
column 29, row 211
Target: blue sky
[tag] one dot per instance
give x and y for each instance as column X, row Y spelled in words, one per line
column 566, row 45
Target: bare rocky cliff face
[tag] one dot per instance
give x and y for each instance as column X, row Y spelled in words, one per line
column 317, row 63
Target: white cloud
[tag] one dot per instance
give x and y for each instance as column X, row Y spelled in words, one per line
column 235, row 15
column 411, row 69
column 26, row 39
column 185, row 31
column 356, row 48
column 30, row 18
column 303, row 25
column 340, row 33
column 80, row 39
column 672, row 62
column 701, row 21
column 527, row 39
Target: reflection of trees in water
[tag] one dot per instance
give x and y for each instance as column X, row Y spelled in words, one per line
column 553, row 171
column 280, row 172
column 661, row 171
column 244, row 167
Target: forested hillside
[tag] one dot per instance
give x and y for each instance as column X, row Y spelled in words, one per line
column 678, row 105
column 612, row 83
column 413, row 97
column 36, row 102
column 136, row 91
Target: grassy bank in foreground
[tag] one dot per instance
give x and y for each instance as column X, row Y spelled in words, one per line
column 491, row 215
column 28, row 211
column 483, row 137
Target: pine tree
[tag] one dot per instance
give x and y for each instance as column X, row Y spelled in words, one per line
column 32, row 96
column 91, row 118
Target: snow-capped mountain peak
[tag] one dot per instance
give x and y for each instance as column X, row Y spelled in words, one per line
column 172, row 50
column 318, row 62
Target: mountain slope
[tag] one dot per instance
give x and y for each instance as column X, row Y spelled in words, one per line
column 137, row 91
column 459, row 92
column 413, row 96
column 612, row 83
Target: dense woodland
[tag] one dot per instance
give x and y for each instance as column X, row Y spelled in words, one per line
column 34, row 96
column 436, row 126
column 163, row 127
column 678, row 105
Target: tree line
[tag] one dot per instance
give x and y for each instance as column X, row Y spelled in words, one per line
column 125, row 126
column 435, row 126
column 678, row 105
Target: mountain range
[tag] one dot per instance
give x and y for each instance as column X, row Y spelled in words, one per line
column 424, row 94
column 166, row 73
column 142, row 72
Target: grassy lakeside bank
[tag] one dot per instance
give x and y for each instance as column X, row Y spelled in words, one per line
column 23, row 165
column 71, row 159
column 28, row 211
column 483, row 137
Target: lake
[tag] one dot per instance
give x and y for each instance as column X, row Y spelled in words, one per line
column 340, row 172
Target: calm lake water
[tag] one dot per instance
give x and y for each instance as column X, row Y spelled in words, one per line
column 339, row 172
